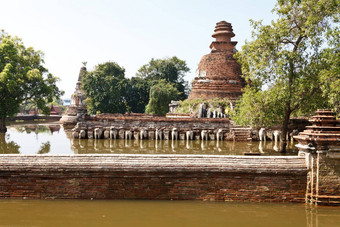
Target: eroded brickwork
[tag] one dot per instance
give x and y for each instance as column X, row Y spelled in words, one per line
column 162, row 177
column 218, row 73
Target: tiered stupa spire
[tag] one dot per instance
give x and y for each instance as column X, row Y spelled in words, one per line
column 223, row 33
column 77, row 107
column 218, row 73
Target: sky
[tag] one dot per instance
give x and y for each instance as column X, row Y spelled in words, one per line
column 129, row 32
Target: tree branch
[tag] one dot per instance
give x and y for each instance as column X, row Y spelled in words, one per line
column 285, row 40
column 304, row 97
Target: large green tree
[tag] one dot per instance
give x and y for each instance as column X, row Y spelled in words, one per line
column 137, row 94
column 285, row 59
column 23, row 77
column 330, row 75
column 105, row 88
column 161, row 95
column 172, row 70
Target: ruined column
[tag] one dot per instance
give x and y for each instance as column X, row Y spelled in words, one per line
column 320, row 144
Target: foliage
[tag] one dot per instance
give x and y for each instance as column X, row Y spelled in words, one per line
column 108, row 91
column 161, row 95
column 137, row 94
column 172, row 70
column 105, row 88
column 286, row 58
column 23, row 77
column 330, row 75
column 265, row 106
column 28, row 105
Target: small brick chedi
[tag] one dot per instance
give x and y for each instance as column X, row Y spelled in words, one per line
column 218, row 73
column 77, row 107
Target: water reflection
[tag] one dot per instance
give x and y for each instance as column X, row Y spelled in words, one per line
column 322, row 216
column 87, row 146
column 53, row 139
column 44, row 148
column 36, row 128
column 29, row 139
column 6, row 146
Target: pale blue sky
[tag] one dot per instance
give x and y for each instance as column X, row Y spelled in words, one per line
column 127, row 32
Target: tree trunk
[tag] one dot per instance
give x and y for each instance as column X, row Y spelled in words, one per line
column 3, row 124
column 285, row 130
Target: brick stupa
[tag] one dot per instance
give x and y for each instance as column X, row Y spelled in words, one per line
column 218, row 73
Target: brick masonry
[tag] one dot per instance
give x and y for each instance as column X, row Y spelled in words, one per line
column 218, row 73
column 324, row 178
column 161, row 177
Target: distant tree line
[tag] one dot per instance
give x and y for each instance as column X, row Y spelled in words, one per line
column 150, row 91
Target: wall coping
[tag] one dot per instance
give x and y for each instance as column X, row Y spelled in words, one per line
column 155, row 163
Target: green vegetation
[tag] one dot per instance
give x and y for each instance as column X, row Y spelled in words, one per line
column 105, row 88
column 137, row 94
column 330, row 74
column 293, row 64
column 23, row 77
column 172, row 70
column 161, row 95
column 28, row 105
column 108, row 91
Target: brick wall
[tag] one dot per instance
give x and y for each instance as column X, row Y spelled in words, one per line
column 329, row 174
column 163, row 177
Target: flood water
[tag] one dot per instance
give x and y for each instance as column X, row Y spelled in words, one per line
column 163, row 213
column 53, row 139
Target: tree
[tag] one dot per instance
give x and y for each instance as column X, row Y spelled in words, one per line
column 105, row 88
column 23, row 78
column 258, row 108
column 137, row 94
column 172, row 70
column 161, row 95
column 286, row 58
column 330, row 75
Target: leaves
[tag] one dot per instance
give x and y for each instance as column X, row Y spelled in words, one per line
column 23, row 77
column 284, row 62
column 161, row 95
column 105, row 88
column 172, row 70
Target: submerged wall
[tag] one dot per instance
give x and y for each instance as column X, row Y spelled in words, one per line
column 163, row 177
column 323, row 185
column 136, row 124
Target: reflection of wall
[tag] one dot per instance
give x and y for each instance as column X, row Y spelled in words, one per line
column 121, row 146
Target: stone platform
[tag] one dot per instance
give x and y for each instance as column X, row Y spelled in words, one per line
column 161, row 177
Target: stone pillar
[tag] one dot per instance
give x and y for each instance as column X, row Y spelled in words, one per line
column 320, row 144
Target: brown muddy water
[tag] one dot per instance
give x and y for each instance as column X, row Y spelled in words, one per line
column 163, row 213
column 53, row 139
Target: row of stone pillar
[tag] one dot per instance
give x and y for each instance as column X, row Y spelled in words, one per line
column 157, row 134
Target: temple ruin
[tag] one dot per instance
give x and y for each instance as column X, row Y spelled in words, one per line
column 218, row 73
column 78, row 106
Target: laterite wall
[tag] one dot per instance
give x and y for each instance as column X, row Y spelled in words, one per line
column 162, row 177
